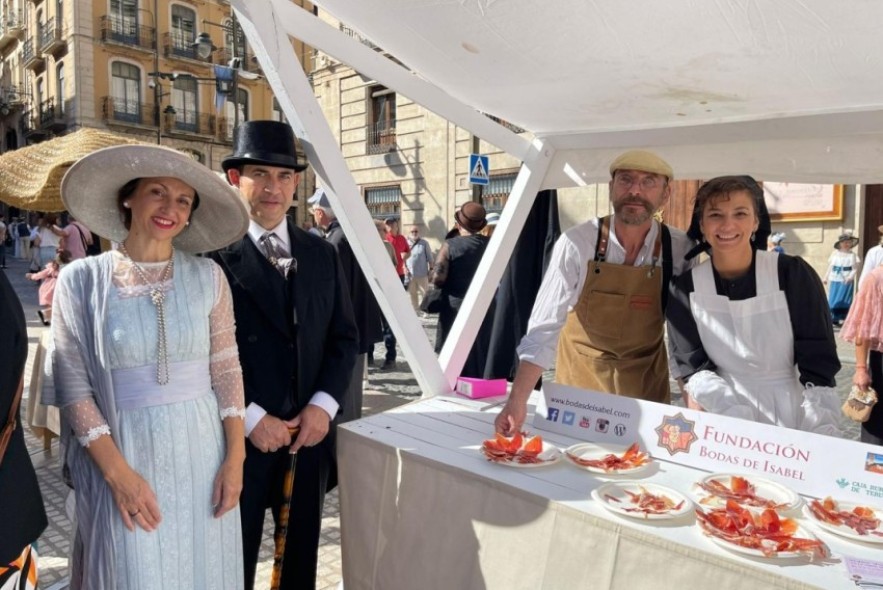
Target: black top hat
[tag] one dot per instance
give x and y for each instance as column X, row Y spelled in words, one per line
column 264, row 142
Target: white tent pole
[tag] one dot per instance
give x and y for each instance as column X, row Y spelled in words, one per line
column 275, row 52
column 496, row 257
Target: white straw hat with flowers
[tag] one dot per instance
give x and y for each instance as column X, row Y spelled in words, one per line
column 91, row 187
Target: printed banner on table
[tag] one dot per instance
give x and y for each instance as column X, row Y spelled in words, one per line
column 811, row 464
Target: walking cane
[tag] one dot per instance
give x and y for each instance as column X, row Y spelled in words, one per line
column 282, row 524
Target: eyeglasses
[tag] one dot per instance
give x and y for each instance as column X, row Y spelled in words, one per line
column 647, row 183
column 415, row 231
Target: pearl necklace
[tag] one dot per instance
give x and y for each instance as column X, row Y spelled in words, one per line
column 157, row 296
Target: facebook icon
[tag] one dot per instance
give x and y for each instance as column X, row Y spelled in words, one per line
column 552, row 415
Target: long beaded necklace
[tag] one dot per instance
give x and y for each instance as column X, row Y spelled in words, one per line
column 157, row 296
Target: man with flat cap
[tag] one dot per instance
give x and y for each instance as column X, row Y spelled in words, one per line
column 297, row 346
column 599, row 314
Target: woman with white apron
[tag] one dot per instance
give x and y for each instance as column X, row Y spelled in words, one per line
column 750, row 329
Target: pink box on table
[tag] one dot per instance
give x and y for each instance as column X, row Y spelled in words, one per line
column 479, row 388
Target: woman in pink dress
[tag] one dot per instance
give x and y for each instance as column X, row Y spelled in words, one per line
column 48, row 277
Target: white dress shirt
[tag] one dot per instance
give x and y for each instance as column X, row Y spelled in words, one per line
column 564, row 280
column 254, row 412
column 873, row 259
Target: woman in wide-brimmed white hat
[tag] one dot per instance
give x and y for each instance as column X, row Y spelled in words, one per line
column 147, row 374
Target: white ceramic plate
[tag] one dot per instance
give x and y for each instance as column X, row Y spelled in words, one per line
column 843, row 530
column 801, row 533
column 606, row 493
column 763, row 488
column 596, row 451
column 550, row 455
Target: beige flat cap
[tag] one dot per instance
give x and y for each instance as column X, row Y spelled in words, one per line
column 643, row 161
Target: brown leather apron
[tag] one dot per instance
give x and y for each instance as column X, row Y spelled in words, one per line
column 612, row 339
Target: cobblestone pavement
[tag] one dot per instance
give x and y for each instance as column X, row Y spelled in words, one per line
column 384, row 390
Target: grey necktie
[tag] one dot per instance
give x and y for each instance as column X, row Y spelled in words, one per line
column 276, row 254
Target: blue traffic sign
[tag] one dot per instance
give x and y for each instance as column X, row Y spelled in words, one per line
column 479, row 172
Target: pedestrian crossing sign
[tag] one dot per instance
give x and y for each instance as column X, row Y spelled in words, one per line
column 478, row 169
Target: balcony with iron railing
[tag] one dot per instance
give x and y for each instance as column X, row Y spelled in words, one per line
column 380, row 138
column 224, row 131
column 52, row 115
column 126, row 31
column 349, row 31
column 189, row 123
column 180, row 46
column 247, row 62
column 12, row 96
column 12, row 29
column 30, row 57
column 30, row 128
column 52, row 37
column 130, row 113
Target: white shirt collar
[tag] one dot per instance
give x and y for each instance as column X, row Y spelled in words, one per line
column 255, row 232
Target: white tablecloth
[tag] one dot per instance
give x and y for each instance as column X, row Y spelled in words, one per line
column 422, row 508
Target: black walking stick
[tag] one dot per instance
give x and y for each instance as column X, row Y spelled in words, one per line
column 282, row 523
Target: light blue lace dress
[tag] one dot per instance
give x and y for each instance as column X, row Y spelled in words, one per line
column 172, row 434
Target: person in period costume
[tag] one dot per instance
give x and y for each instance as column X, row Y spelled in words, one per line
column 454, row 269
column 365, row 307
column 774, row 243
column 749, row 328
column 22, row 516
column 602, row 301
column 298, row 343
column 843, row 267
column 873, row 259
column 147, row 376
column 864, row 328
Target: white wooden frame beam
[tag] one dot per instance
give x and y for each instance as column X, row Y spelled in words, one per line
column 262, row 23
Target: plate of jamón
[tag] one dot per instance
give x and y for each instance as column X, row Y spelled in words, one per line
column 521, row 450
column 646, row 501
column 747, row 490
column 758, row 532
column 853, row 520
column 609, row 459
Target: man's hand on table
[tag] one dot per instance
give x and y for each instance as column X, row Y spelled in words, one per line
column 511, row 417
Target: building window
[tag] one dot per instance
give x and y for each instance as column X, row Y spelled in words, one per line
column 384, row 201
column 278, row 115
column 59, row 88
column 196, row 155
column 241, row 41
column 496, row 193
column 124, row 21
column 382, row 129
column 185, row 100
column 125, row 88
column 183, row 31
column 229, row 110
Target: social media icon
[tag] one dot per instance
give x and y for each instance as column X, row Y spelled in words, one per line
column 619, row 429
column 569, row 418
column 585, row 422
column 552, row 415
column 601, row 424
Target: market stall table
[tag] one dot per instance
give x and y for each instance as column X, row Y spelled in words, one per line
column 422, row 508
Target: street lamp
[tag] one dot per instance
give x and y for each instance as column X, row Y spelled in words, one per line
column 204, row 48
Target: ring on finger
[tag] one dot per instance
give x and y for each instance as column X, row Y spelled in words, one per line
column 136, row 513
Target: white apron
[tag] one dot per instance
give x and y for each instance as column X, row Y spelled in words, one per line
column 752, row 343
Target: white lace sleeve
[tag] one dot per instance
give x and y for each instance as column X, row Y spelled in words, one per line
column 78, row 408
column 224, row 364
column 87, row 421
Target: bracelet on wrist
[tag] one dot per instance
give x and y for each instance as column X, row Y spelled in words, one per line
column 865, row 367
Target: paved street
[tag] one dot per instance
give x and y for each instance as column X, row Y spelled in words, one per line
column 385, row 390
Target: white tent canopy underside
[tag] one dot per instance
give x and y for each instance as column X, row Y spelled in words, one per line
column 780, row 89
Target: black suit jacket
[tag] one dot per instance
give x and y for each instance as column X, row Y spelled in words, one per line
column 365, row 307
column 324, row 345
column 22, row 517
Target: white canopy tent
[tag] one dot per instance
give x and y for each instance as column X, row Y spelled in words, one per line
column 784, row 90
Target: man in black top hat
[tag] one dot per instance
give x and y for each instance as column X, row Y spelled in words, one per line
column 297, row 344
